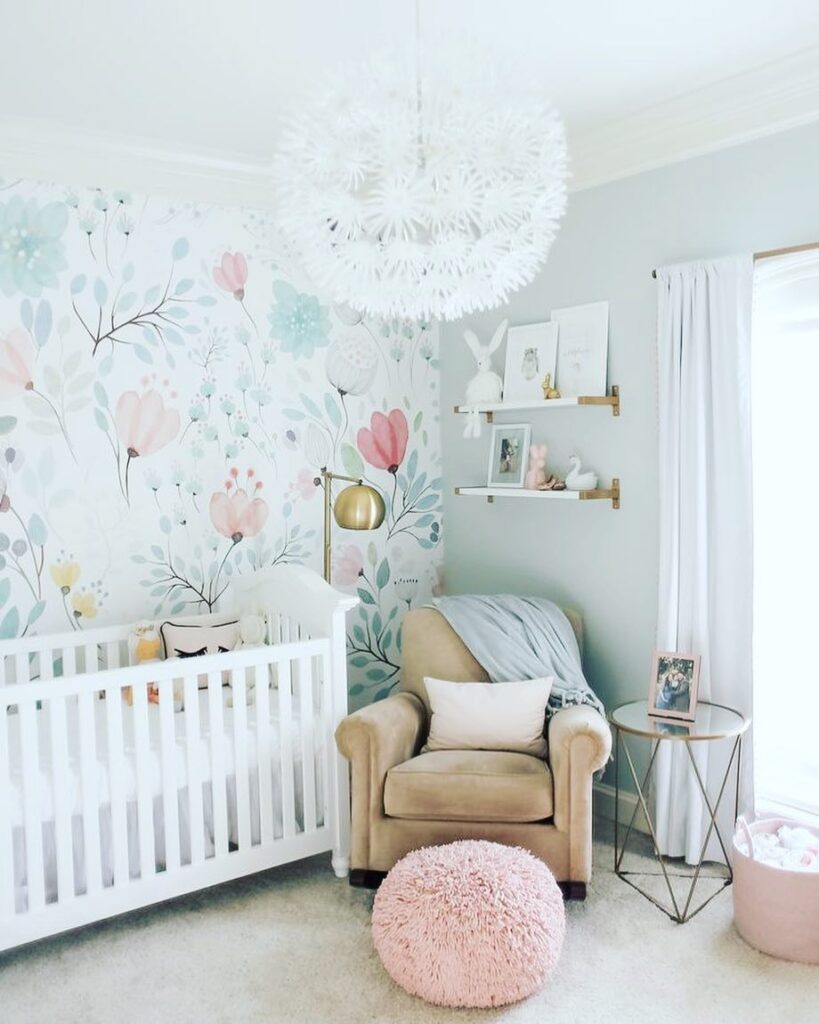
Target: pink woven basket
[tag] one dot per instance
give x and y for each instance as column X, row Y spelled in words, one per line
column 775, row 910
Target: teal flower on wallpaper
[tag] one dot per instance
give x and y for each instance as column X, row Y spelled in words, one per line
column 31, row 248
column 298, row 321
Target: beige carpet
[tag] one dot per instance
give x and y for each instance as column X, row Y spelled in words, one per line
column 294, row 945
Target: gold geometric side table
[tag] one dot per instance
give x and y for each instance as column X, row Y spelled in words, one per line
column 713, row 723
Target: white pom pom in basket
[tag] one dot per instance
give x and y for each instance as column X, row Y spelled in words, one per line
column 775, row 910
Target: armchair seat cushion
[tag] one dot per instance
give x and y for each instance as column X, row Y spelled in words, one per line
column 470, row 785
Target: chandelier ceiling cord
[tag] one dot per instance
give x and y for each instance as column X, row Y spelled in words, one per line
column 423, row 192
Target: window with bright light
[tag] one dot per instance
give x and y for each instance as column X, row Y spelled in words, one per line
column 785, row 392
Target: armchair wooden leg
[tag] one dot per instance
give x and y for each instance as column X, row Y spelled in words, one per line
column 362, row 878
column 573, row 890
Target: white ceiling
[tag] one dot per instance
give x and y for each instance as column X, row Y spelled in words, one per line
column 197, row 76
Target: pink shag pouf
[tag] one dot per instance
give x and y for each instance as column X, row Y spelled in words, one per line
column 472, row 923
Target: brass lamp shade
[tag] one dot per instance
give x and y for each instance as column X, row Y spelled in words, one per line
column 359, row 507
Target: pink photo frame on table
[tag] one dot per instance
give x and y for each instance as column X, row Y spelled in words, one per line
column 675, row 680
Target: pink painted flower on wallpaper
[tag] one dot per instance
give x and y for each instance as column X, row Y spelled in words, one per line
column 231, row 274
column 234, row 513
column 305, row 484
column 17, row 354
column 384, row 445
column 349, row 566
column 144, row 424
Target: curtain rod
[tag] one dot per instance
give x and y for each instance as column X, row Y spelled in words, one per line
column 768, row 254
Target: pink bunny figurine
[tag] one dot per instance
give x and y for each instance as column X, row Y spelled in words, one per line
column 536, row 475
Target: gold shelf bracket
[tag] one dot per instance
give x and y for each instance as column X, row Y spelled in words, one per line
column 613, row 400
column 611, row 494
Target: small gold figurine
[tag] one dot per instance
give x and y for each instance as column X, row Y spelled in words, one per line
column 548, row 390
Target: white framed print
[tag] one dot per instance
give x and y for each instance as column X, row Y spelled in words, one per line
column 582, row 349
column 531, row 353
column 508, row 454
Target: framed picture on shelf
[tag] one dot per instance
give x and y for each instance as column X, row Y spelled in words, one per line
column 531, row 353
column 675, row 678
column 508, row 454
column 582, row 349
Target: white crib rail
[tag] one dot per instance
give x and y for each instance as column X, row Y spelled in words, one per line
column 114, row 818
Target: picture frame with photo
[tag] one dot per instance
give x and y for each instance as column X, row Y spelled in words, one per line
column 675, row 679
column 531, row 353
column 508, row 454
column 582, row 349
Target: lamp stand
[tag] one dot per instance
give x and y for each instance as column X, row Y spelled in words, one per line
column 328, row 478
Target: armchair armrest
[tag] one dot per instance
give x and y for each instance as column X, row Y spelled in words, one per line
column 579, row 745
column 374, row 739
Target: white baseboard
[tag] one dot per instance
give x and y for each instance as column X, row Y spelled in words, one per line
column 604, row 806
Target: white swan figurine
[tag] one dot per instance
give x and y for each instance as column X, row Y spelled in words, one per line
column 576, row 480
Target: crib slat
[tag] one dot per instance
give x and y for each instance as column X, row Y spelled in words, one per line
column 21, row 669
column 90, row 792
column 286, row 751
column 217, row 763
column 326, row 735
column 62, row 798
column 240, row 738
column 142, row 769
column 192, row 737
column 29, row 743
column 91, row 658
column 112, row 659
column 46, row 660
column 6, row 849
column 262, row 694
column 170, row 789
column 116, row 779
column 308, row 764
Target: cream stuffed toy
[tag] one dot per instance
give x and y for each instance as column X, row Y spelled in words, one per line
column 252, row 633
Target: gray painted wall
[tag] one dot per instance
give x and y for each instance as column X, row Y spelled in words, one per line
column 761, row 195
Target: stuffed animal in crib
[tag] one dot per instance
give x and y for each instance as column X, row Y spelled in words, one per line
column 144, row 645
column 535, row 479
column 252, row 633
column 486, row 387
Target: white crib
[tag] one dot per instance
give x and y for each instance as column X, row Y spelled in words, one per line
column 106, row 806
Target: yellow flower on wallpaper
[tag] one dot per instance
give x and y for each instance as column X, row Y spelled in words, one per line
column 65, row 574
column 84, row 604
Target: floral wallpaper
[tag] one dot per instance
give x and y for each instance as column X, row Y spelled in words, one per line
column 170, row 387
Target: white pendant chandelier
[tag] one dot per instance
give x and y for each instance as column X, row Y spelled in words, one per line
column 423, row 194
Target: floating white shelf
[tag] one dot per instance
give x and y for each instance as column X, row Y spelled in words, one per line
column 611, row 494
column 489, row 411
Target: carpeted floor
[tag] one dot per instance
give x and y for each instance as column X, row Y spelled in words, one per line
column 293, row 945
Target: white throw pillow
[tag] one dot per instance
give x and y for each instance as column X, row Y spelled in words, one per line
column 488, row 716
column 193, row 639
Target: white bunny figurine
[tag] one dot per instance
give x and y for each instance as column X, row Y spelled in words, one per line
column 486, row 387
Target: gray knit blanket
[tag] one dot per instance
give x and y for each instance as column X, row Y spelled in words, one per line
column 521, row 638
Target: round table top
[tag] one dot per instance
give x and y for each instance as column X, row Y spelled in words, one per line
column 711, row 722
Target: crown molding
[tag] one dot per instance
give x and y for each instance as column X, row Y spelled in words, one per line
column 45, row 151
column 772, row 98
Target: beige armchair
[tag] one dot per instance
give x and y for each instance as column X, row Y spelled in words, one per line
column 403, row 799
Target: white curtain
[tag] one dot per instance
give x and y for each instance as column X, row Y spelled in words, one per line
column 705, row 582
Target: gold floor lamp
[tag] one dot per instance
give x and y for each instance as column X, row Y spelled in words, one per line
column 359, row 507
